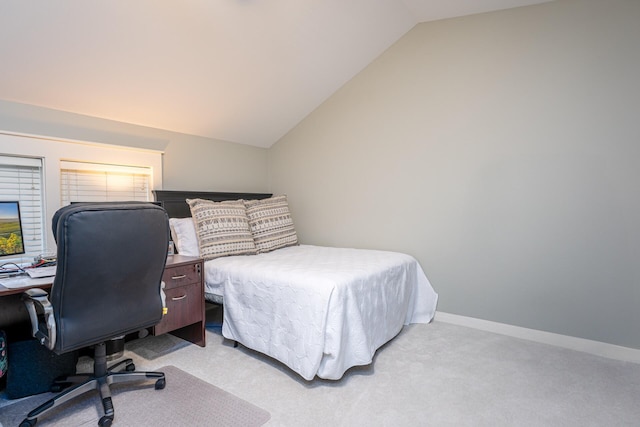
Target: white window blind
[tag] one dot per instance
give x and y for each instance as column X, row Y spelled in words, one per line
column 95, row 182
column 21, row 180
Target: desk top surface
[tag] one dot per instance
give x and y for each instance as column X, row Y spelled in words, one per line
column 45, row 283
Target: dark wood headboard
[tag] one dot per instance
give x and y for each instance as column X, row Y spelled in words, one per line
column 176, row 206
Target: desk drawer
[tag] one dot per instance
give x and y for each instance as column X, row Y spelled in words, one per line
column 181, row 275
column 184, row 306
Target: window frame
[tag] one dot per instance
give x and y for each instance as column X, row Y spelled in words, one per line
column 53, row 150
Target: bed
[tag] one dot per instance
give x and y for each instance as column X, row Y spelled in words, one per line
column 318, row 310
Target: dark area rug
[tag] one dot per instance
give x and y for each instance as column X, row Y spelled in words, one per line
column 186, row 400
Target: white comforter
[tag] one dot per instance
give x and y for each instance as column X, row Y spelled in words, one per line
column 320, row 310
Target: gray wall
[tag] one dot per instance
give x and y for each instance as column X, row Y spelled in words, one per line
column 189, row 162
column 502, row 150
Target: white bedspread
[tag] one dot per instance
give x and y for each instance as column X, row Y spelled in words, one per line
column 320, row 310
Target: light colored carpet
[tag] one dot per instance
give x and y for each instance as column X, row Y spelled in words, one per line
column 186, row 400
column 429, row 375
column 433, row 375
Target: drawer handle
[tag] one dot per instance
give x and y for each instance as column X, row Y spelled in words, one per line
column 182, row 276
column 179, row 298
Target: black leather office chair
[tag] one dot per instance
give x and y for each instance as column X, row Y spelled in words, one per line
column 111, row 257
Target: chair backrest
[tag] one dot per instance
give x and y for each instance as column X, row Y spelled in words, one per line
column 111, row 258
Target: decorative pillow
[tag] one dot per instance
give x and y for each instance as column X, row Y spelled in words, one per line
column 184, row 236
column 222, row 228
column 271, row 223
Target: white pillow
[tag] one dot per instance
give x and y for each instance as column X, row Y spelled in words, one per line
column 185, row 238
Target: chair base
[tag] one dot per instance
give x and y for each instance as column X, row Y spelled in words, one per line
column 101, row 379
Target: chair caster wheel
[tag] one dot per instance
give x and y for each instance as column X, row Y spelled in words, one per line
column 130, row 367
column 28, row 423
column 105, row 421
column 160, row 384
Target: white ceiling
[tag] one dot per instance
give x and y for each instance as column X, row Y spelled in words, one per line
column 245, row 71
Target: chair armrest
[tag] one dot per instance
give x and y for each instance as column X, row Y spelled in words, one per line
column 36, row 300
column 36, row 292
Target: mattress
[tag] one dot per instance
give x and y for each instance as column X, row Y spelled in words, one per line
column 320, row 310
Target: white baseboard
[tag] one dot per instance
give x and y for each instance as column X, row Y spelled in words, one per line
column 592, row 347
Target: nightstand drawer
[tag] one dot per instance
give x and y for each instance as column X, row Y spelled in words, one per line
column 184, row 306
column 181, row 275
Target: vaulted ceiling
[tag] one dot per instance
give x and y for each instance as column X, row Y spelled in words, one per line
column 244, row 71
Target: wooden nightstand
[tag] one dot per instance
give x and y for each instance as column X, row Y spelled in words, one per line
column 184, row 290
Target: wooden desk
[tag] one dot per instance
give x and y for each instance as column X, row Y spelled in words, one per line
column 184, row 289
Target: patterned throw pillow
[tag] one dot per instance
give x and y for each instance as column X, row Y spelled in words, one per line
column 271, row 223
column 222, row 227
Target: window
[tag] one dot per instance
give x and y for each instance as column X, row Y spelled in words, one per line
column 95, row 182
column 21, row 180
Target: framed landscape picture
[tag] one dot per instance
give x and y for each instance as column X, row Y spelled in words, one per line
column 10, row 229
